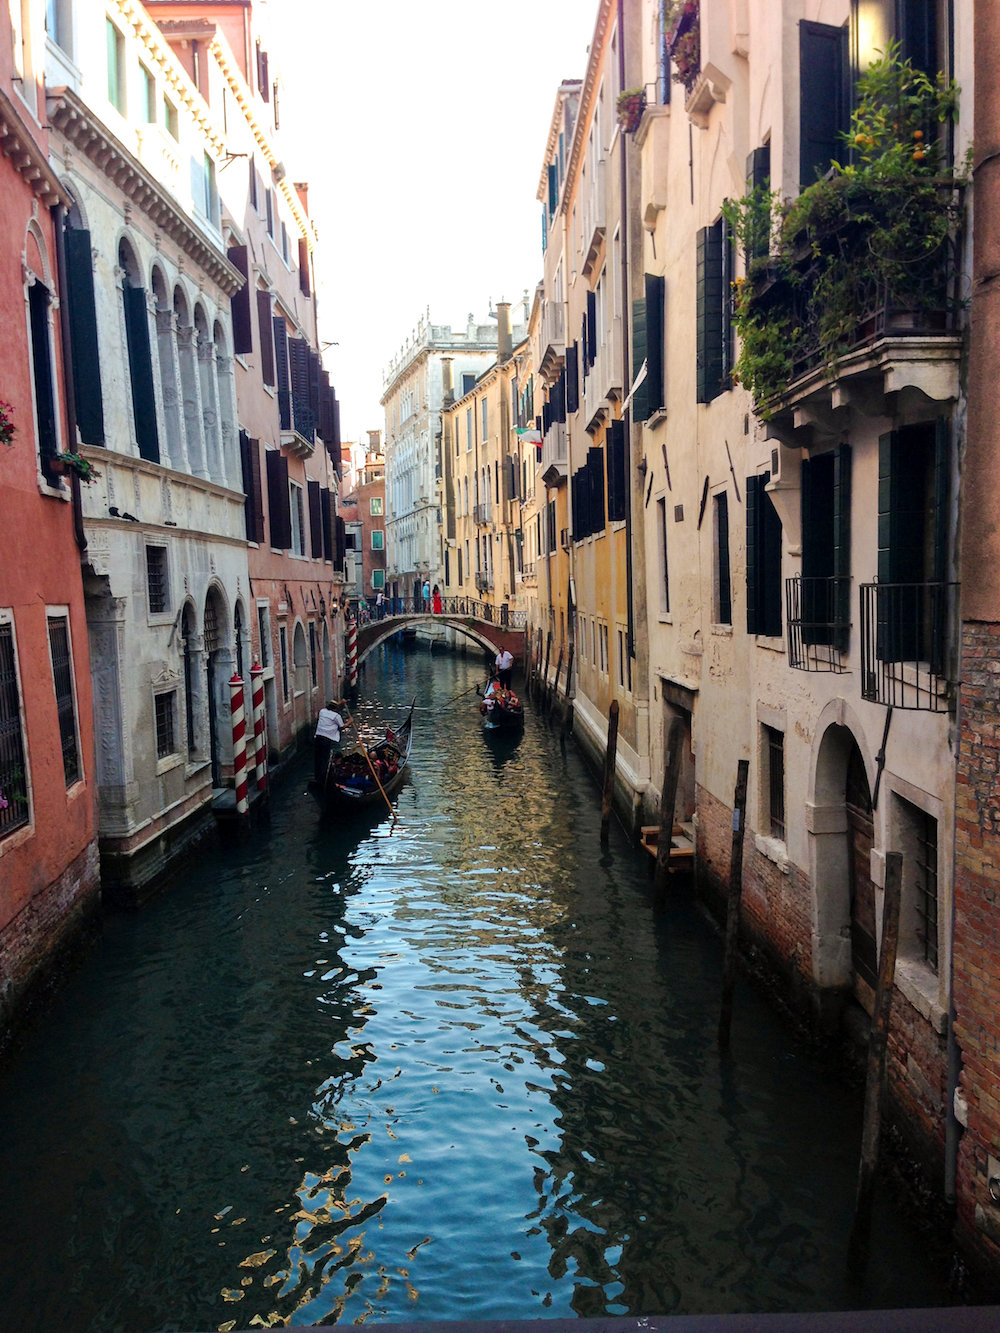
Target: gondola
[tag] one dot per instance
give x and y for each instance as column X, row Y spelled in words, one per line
column 501, row 709
column 350, row 780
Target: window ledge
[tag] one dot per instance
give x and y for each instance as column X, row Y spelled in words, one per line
column 772, row 643
column 195, row 766
column 775, row 850
column 921, row 986
column 16, row 837
column 168, row 763
column 656, row 418
column 723, row 631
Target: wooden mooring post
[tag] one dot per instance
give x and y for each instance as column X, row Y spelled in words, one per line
column 668, row 800
column 545, row 672
column 733, row 909
column 875, row 1077
column 610, row 757
column 567, row 711
column 554, row 697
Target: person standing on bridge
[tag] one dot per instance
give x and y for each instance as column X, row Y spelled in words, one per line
column 379, row 605
column 437, row 600
column 504, row 665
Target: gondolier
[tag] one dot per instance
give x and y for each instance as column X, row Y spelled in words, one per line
column 504, row 665
column 326, row 740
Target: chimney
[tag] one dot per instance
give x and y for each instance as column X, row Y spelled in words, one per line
column 505, row 345
column 447, row 380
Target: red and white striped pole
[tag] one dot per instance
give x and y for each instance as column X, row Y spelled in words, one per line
column 352, row 652
column 259, row 730
column 239, row 744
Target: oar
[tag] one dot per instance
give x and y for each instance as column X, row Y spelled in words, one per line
column 364, row 750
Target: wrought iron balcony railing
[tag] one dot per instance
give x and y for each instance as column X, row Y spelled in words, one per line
column 818, row 622
column 905, row 644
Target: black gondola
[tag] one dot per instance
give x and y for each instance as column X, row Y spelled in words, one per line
column 350, row 782
column 502, row 710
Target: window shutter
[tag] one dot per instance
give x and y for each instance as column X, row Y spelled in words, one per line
column 341, row 540
column 823, row 98
column 41, row 355
column 546, row 416
column 553, row 188
column 640, row 399
column 885, row 650
column 83, row 337
column 655, row 287
column 595, row 459
column 278, row 503
column 769, row 581
column 265, row 326
column 709, row 313
column 298, row 360
column 583, row 346
column 314, row 383
column 239, row 303
column 939, row 566
column 305, row 284
column 842, row 539
column 725, row 580
column 253, row 504
column 324, row 513
column 315, row 521
column 281, row 373
column 141, row 372
column 617, row 472
column 591, row 327
column 559, row 398
column 759, row 178
column 753, row 572
column 572, row 378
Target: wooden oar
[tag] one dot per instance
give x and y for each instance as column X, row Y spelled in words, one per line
column 364, row 750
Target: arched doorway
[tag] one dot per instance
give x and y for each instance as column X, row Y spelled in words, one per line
column 217, row 659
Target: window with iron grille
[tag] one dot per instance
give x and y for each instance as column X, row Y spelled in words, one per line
column 774, row 764
column 156, row 579
column 14, row 810
column 722, row 588
column 166, row 728
column 62, row 677
column 916, row 836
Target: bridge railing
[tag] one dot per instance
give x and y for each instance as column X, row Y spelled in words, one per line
column 472, row 608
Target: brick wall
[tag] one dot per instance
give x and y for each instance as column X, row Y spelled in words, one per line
column 976, row 954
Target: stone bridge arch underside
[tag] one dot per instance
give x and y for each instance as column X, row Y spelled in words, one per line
column 491, row 638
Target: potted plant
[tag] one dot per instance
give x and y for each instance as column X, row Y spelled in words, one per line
column 682, row 34
column 631, row 104
column 7, row 426
column 73, row 462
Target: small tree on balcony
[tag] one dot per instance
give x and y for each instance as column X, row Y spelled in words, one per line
column 881, row 224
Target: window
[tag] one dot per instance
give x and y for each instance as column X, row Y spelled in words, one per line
column 312, row 653
column 764, row 585
column 378, row 539
column 376, row 505
column 166, row 719
column 826, row 547
column 773, row 764
column 41, row 365
column 264, row 633
column 116, row 67
column 603, row 662
column 917, row 836
column 486, row 420
column 284, row 242
column 156, row 579
column 14, row 810
column 714, row 330
column 269, row 212
column 378, row 578
column 722, row 598
column 147, row 84
column 206, row 199
column 283, row 645
column 170, row 119
column 823, row 98
column 140, row 364
column 58, row 23
column 468, row 429
column 621, row 658
column 297, row 512
column 664, row 579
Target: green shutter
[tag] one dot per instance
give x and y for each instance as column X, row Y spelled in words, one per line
column 140, row 365
column 83, row 337
column 709, row 318
column 753, row 506
column 769, row 574
column 654, row 343
column 823, row 113
column 842, row 540
column 886, row 445
column 640, row 399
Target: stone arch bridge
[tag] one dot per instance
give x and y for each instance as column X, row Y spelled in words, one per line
column 491, row 627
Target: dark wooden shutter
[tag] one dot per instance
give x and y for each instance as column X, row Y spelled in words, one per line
column 41, row 356
column 763, row 559
column 640, row 400
column 253, row 506
column 595, row 460
column 753, row 556
column 300, row 375
column 559, row 398
column 617, row 472
column 279, row 507
column 239, row 303
column 842, row 541
column 655, row 287
column 918, row 35
column 340, row 551
column 722, row 556
column 281, row 373
column 583, row 346
column 314, row 381
column 823, row 102
column 553, row 188
column 83, row 337
column 266, row 337
column 546, row 416
column 305, row 284
column 709, row 313
column 591, row 328
column 140, row 366
column 326, row 522
column 573, row 378
column 315, row 520
column 759, row 178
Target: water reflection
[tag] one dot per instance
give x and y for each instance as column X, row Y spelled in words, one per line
column 460, row 1066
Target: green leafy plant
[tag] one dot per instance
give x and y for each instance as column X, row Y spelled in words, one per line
column 874, row 232
column 682, row 29
column 7, row 427
column 630, row 106
column 83, row 467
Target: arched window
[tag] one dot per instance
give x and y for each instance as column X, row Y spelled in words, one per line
column 166, row 348
column 38, row 296
column 209, row 397
column 187, row 366
column 140, row 360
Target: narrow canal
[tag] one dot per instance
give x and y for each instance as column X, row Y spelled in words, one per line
column 462, row 1068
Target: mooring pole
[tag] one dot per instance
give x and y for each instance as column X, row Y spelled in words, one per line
column 609, row 769
column 567, row 711
column 238, row 713
column 668, row 800
column 554, row 700
column 545, row 673
column 733, row 910
column 875, row 1079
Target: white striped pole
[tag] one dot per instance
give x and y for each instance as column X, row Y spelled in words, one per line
column 239, row 744
column 352, row 652
column 259, row 730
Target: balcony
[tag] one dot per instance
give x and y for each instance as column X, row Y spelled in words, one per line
column 905, row 645
column 484, row 582
column 818, row 622
column 553, row 339
column 482, row 514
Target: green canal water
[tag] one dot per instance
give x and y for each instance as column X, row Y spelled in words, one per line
column 465, row 1067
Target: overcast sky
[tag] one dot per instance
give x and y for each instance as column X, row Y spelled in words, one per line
column 420, row 126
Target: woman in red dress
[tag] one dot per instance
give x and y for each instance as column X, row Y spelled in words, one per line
column 436, row 602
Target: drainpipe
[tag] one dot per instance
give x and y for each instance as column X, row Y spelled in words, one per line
column 626, row 367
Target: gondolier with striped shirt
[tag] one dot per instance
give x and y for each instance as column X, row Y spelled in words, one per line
column 504, row 665
column 326, row 741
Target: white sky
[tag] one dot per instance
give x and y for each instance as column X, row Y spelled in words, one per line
column 420, row 126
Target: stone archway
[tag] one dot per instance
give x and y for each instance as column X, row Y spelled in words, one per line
column 218, row 669
column 841, row 836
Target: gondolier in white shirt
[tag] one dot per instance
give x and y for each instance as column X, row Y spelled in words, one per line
column 504, row 665
column 326, row 741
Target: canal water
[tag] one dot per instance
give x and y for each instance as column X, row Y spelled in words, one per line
column 463, row 1067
